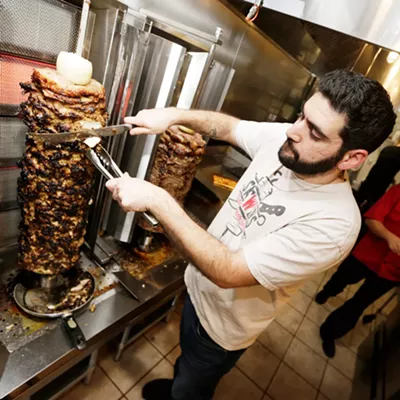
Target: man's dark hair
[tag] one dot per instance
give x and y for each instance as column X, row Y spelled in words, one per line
column 366, row 104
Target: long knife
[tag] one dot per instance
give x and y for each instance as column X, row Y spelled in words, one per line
column 57, row 138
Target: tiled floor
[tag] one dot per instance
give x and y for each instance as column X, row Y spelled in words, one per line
column 287, row 361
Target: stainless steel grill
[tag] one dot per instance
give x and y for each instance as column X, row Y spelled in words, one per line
column 38, row 29
column 12, row 71
column 12, row 138
column 8, row 186
column 10, row 220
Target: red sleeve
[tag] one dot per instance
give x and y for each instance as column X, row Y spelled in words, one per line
column 384, row 205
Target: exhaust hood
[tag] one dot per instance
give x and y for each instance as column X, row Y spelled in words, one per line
column 374, row 21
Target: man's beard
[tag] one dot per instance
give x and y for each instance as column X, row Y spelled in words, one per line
column 298, row 166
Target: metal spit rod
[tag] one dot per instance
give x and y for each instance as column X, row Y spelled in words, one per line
column 82, row 26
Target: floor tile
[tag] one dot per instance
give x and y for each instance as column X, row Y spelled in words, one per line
column 318, row 278
column 173, row 355
column 382, row 299
column 353, row 339
column 259, row 364
column 321, row 397
column 165, row 336
column 289, row 385
column 317, row 313
column 266, row 397
column 236, row 386
column 335, row 386
column 390, row 306
column 276, row 338
column 135, row 362
column 353, row 288
column 289, row 318
column 162, row 370
column 310, row 288
column 308, row 333
column 306, row 362
column 100, row 388
column 345, row 360
column 333, row 303
column 300, row 301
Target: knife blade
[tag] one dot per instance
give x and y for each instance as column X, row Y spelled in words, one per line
column 57, row 138
column 141, row 291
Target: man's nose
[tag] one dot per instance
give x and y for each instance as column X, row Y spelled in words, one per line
column 295, row 132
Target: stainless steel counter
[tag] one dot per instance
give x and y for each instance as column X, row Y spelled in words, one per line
column 114, row 309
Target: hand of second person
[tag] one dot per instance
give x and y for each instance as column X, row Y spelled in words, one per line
column 133, row 194
column 394, row 244
column 154, row 121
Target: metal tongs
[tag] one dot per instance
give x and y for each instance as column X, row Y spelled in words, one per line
column 102, row 160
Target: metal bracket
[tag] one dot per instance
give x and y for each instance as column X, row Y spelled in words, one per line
column 184, row 32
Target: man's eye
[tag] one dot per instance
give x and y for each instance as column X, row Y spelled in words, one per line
column 314, row 137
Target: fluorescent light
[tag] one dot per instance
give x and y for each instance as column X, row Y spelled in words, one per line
column 392, row 57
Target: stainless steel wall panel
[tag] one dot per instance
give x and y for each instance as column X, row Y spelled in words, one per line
column 9, row 221
column 8, row 188
column 38, row 29
column 216, row 87
column 162, row 66
column 12, row 138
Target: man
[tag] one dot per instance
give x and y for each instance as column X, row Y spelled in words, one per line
column 292, row 215
column 380, row 177
column 376, row 259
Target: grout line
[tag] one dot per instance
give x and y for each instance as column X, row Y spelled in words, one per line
column 105, row 373
column 295, row 336
column 170, row 353
column 250, row 378
column 154, row 346
column 148, row 372
column 341, row 373
column 323, row 376
column 291, row 341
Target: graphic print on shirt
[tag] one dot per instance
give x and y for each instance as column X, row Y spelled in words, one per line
column 250, row 205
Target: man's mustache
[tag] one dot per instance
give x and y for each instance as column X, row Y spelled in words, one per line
column 290, row 144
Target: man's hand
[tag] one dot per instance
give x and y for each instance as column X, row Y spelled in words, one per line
column 209, row 123
column 134, row 194
column 394, row 243
column 153, row 121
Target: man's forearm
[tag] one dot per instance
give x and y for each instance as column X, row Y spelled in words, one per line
column 222, row 266
column 209, row 123
column 378, row 229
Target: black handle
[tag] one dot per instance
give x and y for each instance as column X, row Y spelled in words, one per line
column 74, row 331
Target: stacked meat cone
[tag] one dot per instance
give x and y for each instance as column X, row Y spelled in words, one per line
column 179, row 152
column 55, row 185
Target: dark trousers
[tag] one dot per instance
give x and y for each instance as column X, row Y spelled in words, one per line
column 202, row 363
column 345, row 318
column 381, row 175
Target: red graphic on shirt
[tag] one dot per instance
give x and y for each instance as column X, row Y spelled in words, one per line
column 250, row 206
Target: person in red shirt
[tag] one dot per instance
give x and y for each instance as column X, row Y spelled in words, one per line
column 376, row 258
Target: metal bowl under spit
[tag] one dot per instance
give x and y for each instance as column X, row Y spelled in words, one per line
column 31, row 300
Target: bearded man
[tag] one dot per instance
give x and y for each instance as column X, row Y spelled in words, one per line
column 291, row 216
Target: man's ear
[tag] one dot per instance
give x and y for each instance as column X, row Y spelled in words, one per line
column 352, row 159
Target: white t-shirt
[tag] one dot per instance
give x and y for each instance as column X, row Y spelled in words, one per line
column 288, row 229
